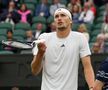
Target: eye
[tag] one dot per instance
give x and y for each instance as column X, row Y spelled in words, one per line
column 63, row 15
column 56, row 16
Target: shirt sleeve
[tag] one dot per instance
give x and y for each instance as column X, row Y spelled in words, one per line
column 84, row 47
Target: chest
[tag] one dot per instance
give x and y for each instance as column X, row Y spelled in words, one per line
column 62, row 47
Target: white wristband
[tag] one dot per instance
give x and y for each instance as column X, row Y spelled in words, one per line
column 35, row 49
column 39, row 41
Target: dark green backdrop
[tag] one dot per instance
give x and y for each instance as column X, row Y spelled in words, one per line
column 15, row 71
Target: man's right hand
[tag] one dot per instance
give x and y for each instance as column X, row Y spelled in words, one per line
column 41, row 47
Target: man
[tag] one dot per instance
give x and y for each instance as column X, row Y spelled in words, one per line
column 9, row 14
column 39, row 30
column 101, row 82
column 29, row 36
column 42, row 9
column 59, row 55
column 9, row 36
column 86, row 16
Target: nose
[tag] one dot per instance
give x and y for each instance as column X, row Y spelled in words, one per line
column 59, row 18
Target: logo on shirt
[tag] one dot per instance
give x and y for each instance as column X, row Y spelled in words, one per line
column 62, row 45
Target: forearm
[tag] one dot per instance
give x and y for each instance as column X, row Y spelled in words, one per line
column 88, row 71
column 36, row 64
column 89, row 76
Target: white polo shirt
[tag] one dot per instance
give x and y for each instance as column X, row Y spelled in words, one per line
column 60, row 67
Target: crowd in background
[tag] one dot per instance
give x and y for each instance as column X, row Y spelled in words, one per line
column 84, row 14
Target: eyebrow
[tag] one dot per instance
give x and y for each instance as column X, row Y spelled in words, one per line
column 61, row 14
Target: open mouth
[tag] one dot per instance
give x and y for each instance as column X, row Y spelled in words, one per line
column 60, row 23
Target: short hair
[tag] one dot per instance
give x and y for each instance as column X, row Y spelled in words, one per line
column 9, row 30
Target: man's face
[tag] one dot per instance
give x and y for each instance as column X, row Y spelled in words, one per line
column 39, row 27
column 9, row 35
column 86, row 7
column 62, row 21
column 29, row 34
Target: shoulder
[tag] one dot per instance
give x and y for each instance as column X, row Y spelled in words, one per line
column 47, row 35
column 76, row 34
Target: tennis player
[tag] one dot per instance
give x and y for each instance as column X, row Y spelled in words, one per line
column 101, row 82
column 58, row 57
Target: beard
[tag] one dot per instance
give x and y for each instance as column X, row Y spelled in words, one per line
column 62, row 27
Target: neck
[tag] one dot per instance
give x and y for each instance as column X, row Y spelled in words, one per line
column 63, row 34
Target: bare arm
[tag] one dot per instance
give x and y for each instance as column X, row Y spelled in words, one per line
column 88, row 71
column 36, row 64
